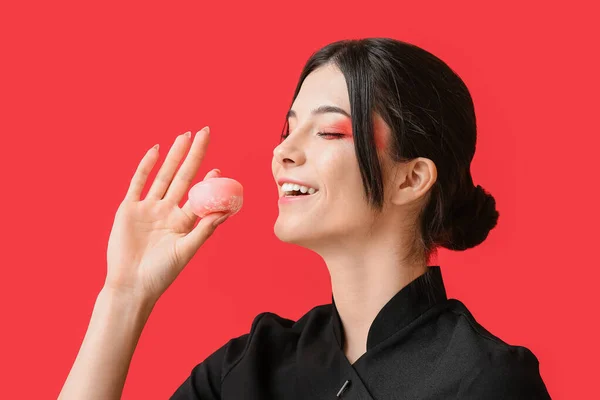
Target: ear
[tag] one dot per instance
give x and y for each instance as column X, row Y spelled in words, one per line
column 413, row 180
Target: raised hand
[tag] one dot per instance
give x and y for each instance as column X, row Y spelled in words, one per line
column 153, row 239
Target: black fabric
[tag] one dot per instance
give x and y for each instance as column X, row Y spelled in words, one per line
column 421, row 345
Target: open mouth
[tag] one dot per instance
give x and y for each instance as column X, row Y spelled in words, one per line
column 297, row 194
column 295, row 190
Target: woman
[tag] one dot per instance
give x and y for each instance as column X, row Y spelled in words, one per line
column 374, row 174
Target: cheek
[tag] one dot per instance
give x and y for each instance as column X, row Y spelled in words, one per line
column 380, row 135
column 380, row 140
column 340, row 171
column 334, row 168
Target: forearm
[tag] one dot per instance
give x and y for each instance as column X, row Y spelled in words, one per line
column 103, row 360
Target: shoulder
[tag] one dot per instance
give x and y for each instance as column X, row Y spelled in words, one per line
column 270, row 340
column 509, row 373
column 493, row 369
column 275, row 332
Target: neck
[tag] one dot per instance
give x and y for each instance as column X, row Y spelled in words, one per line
column 361, row 286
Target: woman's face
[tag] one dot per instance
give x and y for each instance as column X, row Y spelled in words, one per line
column 337, row 215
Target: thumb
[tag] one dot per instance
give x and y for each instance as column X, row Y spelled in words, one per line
column 213, row 173
column 191, row 242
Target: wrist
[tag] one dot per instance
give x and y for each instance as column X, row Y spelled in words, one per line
column 126, row 301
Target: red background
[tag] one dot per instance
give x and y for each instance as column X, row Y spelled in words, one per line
column 87, row 89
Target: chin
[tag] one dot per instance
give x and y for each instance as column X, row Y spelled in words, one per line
column 290, row 233
column 283, row 233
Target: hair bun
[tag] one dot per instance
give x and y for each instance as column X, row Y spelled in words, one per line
column 472, row 221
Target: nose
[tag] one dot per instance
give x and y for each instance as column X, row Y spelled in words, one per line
column 288, row 153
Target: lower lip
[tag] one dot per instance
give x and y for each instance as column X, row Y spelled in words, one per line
column 293, row 199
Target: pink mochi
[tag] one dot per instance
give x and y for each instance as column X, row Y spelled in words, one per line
column 216, row 195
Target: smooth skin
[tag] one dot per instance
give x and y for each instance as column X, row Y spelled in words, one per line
column 150, row 243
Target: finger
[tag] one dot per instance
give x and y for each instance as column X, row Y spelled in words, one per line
column 187, row 208
column 188, row 245
column 189, row 168
column 167, row 170
column 141, row 174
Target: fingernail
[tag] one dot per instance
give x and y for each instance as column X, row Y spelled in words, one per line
column 188, row 134
column 220, row 220
column 155, row 147
column 217, row 170
column 205, row 129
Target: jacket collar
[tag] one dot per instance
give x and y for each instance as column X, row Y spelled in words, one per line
column 411, row 301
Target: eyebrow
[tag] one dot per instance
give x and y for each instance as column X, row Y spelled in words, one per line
column 321, row 110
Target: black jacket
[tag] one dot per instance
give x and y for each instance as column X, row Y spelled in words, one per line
column 421, row 345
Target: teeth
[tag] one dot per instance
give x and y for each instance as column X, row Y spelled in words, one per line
column 289, row 187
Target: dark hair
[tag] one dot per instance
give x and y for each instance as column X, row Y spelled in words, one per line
column 431, row 114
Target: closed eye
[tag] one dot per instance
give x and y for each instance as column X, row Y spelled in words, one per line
column 331, row 134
